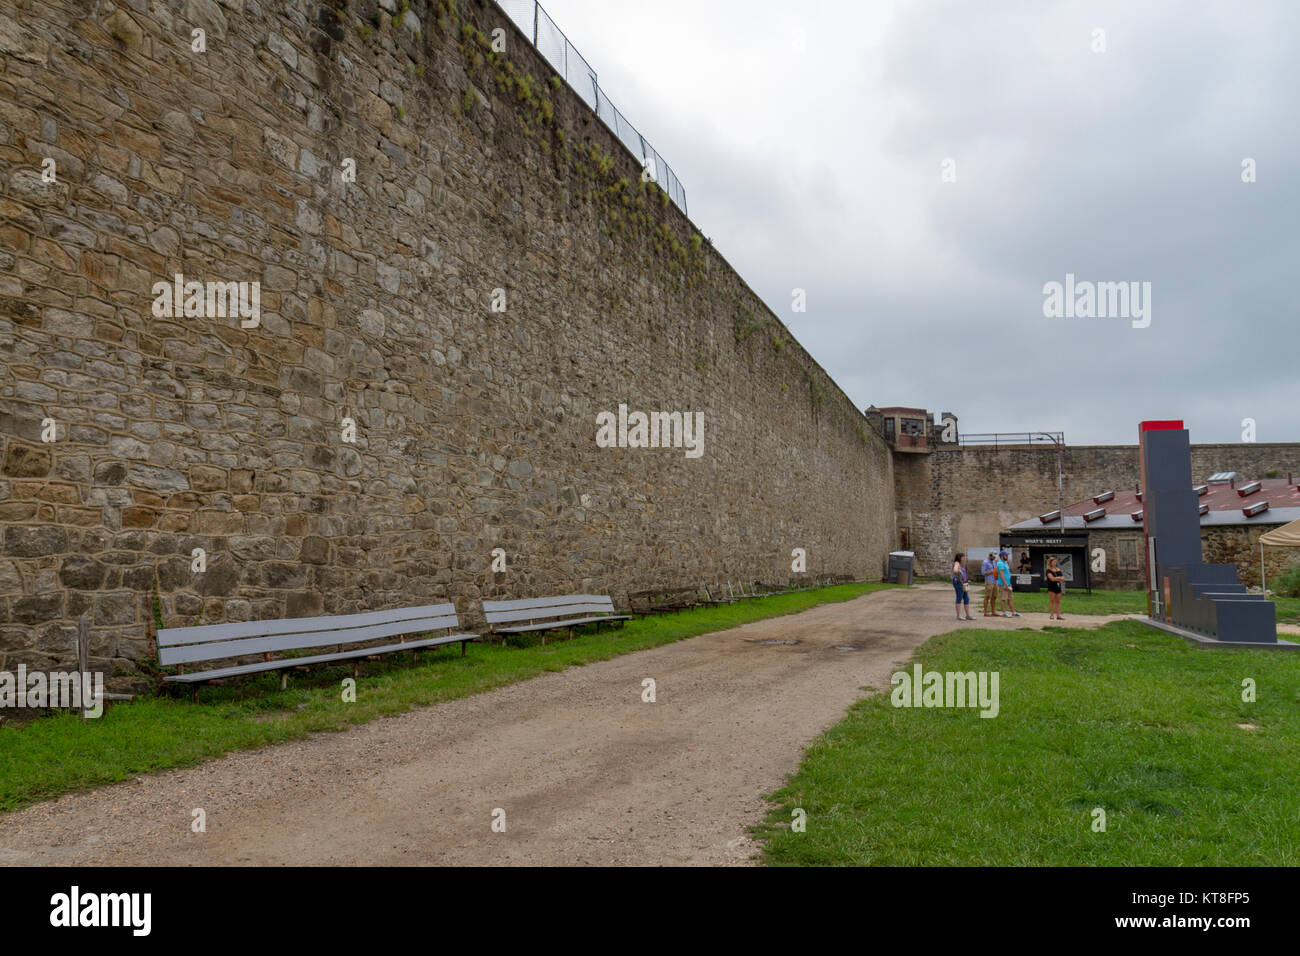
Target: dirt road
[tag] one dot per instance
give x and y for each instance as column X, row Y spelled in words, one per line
column 585, row 772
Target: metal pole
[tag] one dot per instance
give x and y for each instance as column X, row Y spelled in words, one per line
column 1060, row 493
column 1059, row 442
column 83, row 660
column 536, row 8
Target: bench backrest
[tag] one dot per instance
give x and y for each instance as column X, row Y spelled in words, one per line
column 530, row 609
column 655, row 596
column 184, row 645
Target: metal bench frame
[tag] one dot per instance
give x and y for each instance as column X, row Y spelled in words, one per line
column 537, row 612
column 179, row 646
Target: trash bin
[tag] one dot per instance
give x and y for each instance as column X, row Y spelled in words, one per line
column 900, row 567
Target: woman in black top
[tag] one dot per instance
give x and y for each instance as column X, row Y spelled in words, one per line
column 1055, row 585
column 961, row 584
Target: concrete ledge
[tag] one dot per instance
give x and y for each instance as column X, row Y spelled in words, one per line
column 1202, row 641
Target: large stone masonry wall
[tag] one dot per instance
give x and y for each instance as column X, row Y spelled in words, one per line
column 963, row 496
column 475, row 429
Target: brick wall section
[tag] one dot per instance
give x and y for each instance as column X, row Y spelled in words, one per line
column 475, row 429
column 962, row 497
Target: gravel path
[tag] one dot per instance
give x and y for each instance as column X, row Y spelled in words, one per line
column 585, row 772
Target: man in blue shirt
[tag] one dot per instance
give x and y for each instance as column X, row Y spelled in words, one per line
column 1004, row 585
column 989, row 568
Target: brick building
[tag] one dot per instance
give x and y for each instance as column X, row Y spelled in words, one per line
column 1235, row 511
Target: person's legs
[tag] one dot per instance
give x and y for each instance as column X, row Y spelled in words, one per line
column 965, row 600
column 956, row 586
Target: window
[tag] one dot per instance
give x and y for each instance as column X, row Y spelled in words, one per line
column 912, row 426
column 1128, row 554
column 889, row 429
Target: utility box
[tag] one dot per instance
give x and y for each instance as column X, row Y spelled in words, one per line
column 901, row 564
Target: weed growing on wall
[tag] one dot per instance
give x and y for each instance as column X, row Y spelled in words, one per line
column 631, row 211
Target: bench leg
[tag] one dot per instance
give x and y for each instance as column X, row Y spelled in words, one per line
column 462, row 648
column 356, row 669
column 284, row 679
column 194, row 697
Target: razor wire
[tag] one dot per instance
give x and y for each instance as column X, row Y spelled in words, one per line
column 552, row 44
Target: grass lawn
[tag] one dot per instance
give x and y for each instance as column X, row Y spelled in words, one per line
column 1111, row 602
column 1098, row 602
column 53, row 755
column 1125, row 718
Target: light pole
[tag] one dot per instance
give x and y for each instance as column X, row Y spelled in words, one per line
column 1059, row 442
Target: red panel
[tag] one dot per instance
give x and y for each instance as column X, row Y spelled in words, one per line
column 1171, row 425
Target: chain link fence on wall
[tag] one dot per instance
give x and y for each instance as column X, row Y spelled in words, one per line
column 551, row 42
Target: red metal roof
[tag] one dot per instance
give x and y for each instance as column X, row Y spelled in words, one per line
column 1224, row 497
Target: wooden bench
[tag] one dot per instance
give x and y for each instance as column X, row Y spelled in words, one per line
column 178, row 646
column 730, row 597
column 662, row 600
column 561, row 613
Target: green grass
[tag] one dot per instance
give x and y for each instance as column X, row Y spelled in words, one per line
column 1288, row 609
column 1124, row 717
column 1081, row 602
column 61, row 753
column 1108, row 602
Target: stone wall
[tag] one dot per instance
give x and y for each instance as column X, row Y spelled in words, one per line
column 1220, row 544
column 480, row 181
column 962, row 496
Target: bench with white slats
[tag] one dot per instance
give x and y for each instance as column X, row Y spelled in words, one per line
column 560, row 613
column 179, row 646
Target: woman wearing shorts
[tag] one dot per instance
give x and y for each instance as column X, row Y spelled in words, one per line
column 1055, row 585
column 959, row 584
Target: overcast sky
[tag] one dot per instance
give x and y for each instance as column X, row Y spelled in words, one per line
column 811, row 138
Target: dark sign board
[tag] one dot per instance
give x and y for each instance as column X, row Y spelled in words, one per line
column 1029, row 553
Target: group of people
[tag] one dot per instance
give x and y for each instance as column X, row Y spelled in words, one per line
column 998, row 597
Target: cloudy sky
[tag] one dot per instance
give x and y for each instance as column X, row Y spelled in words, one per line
column 811, row 138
